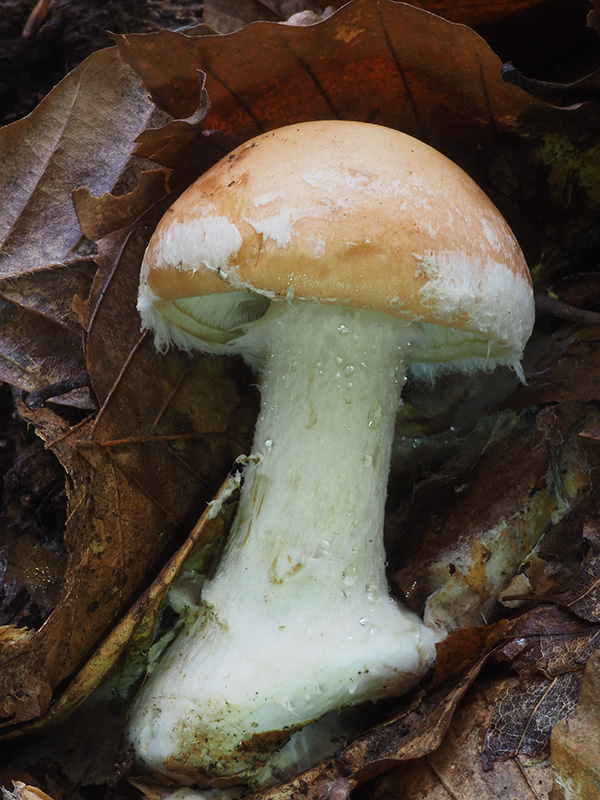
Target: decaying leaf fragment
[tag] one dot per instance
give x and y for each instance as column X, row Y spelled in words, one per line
column 101, row 216
column 549, row 653
column 40, row 570
column 97, row 578
column 497, row 741
column 525, row 715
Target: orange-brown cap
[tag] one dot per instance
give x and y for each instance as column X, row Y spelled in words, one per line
column 347, row 213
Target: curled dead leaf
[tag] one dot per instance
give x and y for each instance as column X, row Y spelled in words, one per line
column 549, row 650
column 549, row 640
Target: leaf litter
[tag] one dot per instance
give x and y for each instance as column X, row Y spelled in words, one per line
column 44, row 259
column 549, row 654
column 384, row 62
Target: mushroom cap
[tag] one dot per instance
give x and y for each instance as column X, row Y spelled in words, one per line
column 347, row 213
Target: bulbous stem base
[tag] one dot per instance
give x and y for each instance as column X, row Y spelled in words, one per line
column 297, row 619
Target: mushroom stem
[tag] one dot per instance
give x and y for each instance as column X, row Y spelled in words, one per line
column 297, row 619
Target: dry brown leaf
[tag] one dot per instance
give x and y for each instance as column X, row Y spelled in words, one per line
column 465, row 647
column 81, row 134
column 102, row 576
column 387, row 63
column 100, row 216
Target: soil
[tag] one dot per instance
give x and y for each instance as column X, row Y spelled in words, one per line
column 40, row 42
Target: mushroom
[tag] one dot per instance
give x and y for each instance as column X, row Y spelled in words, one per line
column 332, row 256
